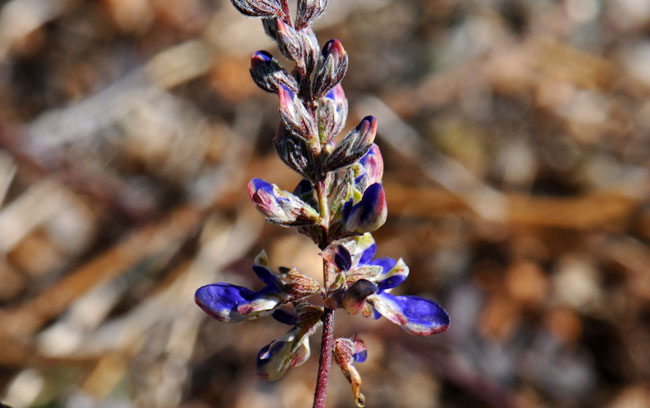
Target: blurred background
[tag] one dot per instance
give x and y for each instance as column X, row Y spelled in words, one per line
column 516, row 136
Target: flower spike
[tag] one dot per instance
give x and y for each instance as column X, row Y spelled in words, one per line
column 337, row 203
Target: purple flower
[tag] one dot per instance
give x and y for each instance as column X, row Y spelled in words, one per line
column 369, row 213
column 231, row 303
column 368, row 284
column 280, row 207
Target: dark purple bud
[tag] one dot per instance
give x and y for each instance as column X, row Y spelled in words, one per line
column 268, row 74
column 308, row 11
column 258, row 8
column 342, row 258
column 297, row 118
column 354, row 298
column 332, row 114
column 354, row 145
column 289, row 41
column 332, row 66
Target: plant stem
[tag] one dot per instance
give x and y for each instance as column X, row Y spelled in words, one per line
column 325, row 361
column 327, row 342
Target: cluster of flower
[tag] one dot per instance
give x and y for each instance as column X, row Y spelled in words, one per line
column 339, row 201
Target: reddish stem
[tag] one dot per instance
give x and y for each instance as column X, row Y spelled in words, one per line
column 325, row 361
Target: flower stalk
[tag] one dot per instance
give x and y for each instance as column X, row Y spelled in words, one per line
column 338, row 203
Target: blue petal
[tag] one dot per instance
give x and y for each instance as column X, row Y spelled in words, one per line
column 265, row 275
column 262, row 185
column 263, row 55
column 386, row 263
column 303, row 187
column 416, row 315
column 367, row 254
column 285, row 317
column 361, row 356
column 232, row 303
column 220, row 300
column 369, row 202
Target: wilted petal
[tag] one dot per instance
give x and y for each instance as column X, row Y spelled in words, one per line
column 414, row 314
column 344, row 352
column 280, row 207
column 368, row 214
column 232, row 303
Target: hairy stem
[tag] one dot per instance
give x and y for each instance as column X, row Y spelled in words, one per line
column 325, row 361
column 327, row 342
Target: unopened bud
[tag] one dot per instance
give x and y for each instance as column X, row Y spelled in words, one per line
column 308, row 11
column 289, row 41
column 354, row 145
column 368, row 214
column 268, row 74
column 332, row 66
column 280, row 207
column 332, row 114
column 258, row 8
column 296, row 118
column 354, row 298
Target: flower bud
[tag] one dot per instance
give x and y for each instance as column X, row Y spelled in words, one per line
column 269, row 75
column 373, row 165
column 258, row 8
column 280, row 207
column 354, row 145
column 354, row 298
column 310, row 48
column 274, row 359
column 332, row 114
column 308, row 11
column 368, row 214
column 296, row 153
column 296, row 118
column 289, row 41
column 332, row 66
